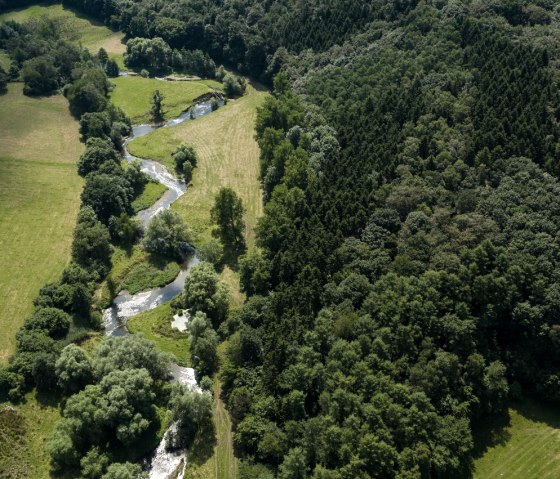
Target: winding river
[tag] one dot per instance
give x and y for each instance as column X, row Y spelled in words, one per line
column 164, row 464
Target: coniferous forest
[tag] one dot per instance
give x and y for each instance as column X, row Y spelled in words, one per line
column 406, row 284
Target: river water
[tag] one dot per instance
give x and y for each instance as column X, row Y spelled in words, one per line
column 163, row 464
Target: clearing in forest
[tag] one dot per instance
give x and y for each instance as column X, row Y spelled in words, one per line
column 526, row 445
column 74, row 26
column 39, row 200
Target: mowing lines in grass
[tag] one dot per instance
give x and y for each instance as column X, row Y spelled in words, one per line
column 528, row 447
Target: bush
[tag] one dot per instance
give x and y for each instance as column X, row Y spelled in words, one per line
column 167, row 235
column 40, row 76
column 233, row 85
column 51, row 321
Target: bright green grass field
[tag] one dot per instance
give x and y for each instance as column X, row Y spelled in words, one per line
column 527, row 448
column 227, row 153
column 39, row 200
column 156, row 326
column 133, row 95
column 150, row 194
column 75, row 27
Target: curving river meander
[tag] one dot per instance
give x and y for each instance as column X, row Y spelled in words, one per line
column 164, row 464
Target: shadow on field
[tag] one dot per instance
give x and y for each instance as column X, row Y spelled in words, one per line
column 538, row 411
column 490, row 432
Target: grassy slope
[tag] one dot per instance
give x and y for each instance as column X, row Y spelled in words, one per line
column 24, row 430
column 228, row 155
column 527, row 447
column 133, row 95
column 75, row 27
column 39, row 200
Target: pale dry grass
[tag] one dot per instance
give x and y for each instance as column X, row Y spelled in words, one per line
column 39, row 201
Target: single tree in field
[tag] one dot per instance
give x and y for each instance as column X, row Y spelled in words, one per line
column 157, row 107
column 102, row 57
column 112, row 69
column 228, row 214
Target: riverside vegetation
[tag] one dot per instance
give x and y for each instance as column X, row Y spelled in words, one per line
column 403, row 291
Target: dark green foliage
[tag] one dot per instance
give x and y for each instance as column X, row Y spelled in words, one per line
column 3, row 80
column 204, row 345
column 227, row 213
column 194, row 62
column 112, row 68
column 108, row 195
column 98, row 151
column 40, row 76
column 91, row 247
column 51, row 321
column 156, row 111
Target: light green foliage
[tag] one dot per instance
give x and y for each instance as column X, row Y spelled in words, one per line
column 124, row 471
column 167, row 235
column 73, row 369
column 193, row 413
column 130, row 352
column 205, row 292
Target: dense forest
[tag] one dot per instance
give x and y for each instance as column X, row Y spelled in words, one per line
column 406, row 281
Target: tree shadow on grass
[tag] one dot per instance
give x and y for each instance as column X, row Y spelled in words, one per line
column 203, row 445
column 489, row 432
column 538, row 411
column 49, row 399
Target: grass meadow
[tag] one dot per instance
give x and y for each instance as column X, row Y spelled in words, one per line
column 39, row 200
column 134, row 94
column 74, row 27
column 228, row 155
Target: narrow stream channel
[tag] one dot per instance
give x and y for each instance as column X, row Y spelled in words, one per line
column 164, row 464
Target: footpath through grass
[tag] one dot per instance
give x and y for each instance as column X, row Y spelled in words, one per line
column 524, row 445
column 228, row 155
column 134, row 94
column 74, row 26
column 39, row 201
